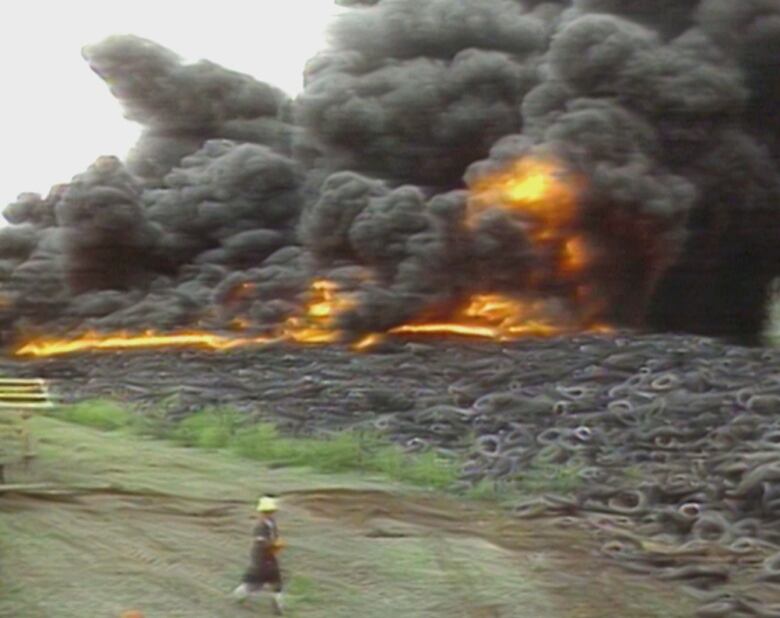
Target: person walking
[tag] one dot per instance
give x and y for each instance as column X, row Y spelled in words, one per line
column 263, row 565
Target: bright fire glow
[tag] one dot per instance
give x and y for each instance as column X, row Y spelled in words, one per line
column 317, row 323
column 125, row 341
column 490, row 316
column 367, row 342
column 535, row 189
column 575, row 255
column 447, row 328
column 487, row 316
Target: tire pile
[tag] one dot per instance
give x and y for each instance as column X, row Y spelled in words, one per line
column 673, row 442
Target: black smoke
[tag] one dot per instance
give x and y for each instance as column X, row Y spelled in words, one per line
column 107, row 240
column 237, row 197
column 415, row 92
column 182, row 105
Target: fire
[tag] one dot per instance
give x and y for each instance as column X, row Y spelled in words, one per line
column 126, row 341
column 490, row 316
column 486, row 316
column 494, row 308
column 447, row 328
column 531, row 188
column 575, row 255
column 367, row 342
column 544, row 195
column 317, row 323
column 500, row 318
column 240, row 323
column 537, row 190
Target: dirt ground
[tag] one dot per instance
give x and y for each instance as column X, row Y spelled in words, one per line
column 120, row 523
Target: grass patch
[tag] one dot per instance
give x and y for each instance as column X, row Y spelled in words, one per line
column 486, row 490
column 224, row 428
column 211, row 428
column 302, row 591
column 98, row 413
column 347, row 451
column 156, row 422
column 263, row 442
column 428, row 469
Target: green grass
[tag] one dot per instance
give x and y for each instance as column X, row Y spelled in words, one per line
column 487, row 490
column 211, row 428
column 224, row 428
column 263, row 442
column 98, row 413
column 346, row 451
column 302, row 591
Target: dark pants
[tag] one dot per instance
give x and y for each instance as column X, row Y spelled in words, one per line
column 266, row 572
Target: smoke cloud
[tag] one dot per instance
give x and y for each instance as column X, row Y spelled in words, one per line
column 658, row 116
column 182, row 105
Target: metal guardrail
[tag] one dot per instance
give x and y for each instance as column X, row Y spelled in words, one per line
column 19, row 399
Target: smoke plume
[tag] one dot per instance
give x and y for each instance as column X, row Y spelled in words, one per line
column 405, row 170
column 182, row 105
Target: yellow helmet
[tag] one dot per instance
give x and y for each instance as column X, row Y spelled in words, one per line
column 267, row 504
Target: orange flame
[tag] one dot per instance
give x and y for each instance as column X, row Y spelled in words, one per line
column 487, row 317
column 491, row 316
column 147, row 339
column 317, row 324
column 544, row 195
column 447, row 328
column 575, row 255
column 367, row 342
column 536, row 189
column 541, row 193
column 499, row 318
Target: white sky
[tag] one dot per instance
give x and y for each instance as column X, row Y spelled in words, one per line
column 57, row 117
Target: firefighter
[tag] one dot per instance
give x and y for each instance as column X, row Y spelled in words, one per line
column 263, row 565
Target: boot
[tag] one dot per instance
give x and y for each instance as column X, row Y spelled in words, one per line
column 276, row 603
column 241, row 593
